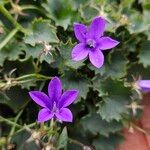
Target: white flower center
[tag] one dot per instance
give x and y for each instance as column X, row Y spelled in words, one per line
column 55, row 109
column 91, row 43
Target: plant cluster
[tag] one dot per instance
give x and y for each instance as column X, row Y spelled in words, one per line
column 46, row 43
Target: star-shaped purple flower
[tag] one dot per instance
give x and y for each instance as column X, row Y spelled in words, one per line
column 54, row 105
column 92, row 42
column 144, row 85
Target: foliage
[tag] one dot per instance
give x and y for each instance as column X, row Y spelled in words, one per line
column 36, row 40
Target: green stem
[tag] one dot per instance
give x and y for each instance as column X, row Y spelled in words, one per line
column 32, row 75
column 76, row 142
column 25, row 7
column 14, row 126
column 2, row 119
column 11, row 19
column 29, row 126
column 8, row 37
column 7, row 14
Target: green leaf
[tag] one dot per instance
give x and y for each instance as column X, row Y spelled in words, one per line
column 114, row 66
column 63, row 139
column 115, row 98
column 72, row 80
column 60, row 11
column 107, row 143
column 95, row 124
column 110, row 87
column 41, row 31
column 37, row 52
column 112, row 108
column 144, row 54
column 88, row 12
column 11, row 52
column 139, row 22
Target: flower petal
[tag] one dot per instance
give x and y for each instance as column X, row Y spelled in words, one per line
column 97, row 58
column 67, row 98
column 44, row 115
column 80, row 30
column 107, row 43
column 97, row 27
column 144, row 85
column 55, row 89
column 64, row 115
column 79, row 52
column 41, row 99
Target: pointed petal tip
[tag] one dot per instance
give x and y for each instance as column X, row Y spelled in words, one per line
column 107, row 43
column 99, row 66
column 100, row 17
column 30, row 92
column 76, row 92
column 55, row 77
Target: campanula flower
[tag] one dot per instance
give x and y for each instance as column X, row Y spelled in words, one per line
column 92, row 42
column 54, row 104
column 144, row 85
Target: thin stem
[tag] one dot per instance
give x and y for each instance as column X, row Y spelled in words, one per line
column 2, row 119
column 25, row 7
column 76, row 142
column 8, row 37
column 11, row 19
column 14, row 126
column 33, row 75
column 29, row 126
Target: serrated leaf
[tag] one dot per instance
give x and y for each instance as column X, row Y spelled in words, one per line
column 63, row 139
column 139, row 22
column 11, row 52
column 95, row 124
column 112, row 108
column 60, row 11
column 144, row 55
column 107, row 143
column 37, row 52
column 41, row 31
column 110, row 87
column 88, row 12
column 115, row 97
column 72, row 80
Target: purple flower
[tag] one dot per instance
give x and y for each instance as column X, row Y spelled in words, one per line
column 54, row 105
column 144, row 85
column 92, row 42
